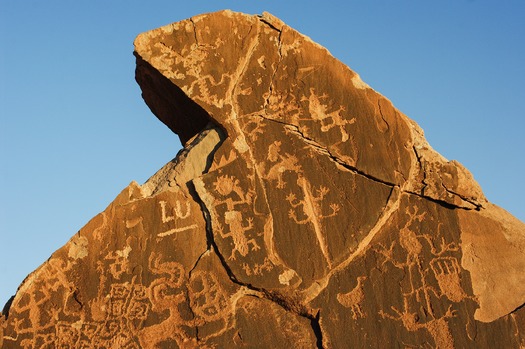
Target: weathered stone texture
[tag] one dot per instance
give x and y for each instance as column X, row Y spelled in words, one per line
column 304, row 211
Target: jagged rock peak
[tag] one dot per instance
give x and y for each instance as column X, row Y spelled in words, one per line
column 305, row 210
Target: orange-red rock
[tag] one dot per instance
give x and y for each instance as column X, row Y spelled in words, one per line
column 304, row 211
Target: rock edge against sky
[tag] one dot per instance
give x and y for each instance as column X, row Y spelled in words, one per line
column 303, row 211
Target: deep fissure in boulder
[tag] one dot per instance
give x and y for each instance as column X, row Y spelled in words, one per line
column 304, row 211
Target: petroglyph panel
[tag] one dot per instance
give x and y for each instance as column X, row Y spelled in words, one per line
column 242, row 223
column 304, row 211
column 105, row 290
column 432, row 304
column 268, row 74
column 328, row 219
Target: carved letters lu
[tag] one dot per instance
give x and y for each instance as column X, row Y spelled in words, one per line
column 304, row 211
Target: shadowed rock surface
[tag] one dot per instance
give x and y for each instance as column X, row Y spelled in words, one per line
column 304, row 211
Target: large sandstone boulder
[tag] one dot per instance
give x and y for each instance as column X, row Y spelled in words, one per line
column 304, row 211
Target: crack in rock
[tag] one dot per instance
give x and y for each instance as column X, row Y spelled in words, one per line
column 303, row 211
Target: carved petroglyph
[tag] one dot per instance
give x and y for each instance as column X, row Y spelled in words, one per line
column 225, row 159
column 118, row 317
column 228, row 186
column 118, row 264
column 237, row 230
column 438, row 328
column 233, row 195
column 167, row 293
column 447, row 273
column 258, row 269
column 279, row 163
column 445, row 269
column 312, row 211
column 354, row 299
column 31, row 306
column 280, row 105
column 179, row 213
column 319, row 111
column 126, row 307
column 253, row 127
column 209, row 301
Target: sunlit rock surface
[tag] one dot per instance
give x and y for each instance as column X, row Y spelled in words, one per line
column 305, row 211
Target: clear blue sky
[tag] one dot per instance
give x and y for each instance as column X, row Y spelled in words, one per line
column 74, row 130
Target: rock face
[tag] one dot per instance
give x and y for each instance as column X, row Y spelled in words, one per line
column 304, row 211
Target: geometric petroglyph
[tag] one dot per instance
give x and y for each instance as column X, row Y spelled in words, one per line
column 166, row 294
column 209, row 301
column 127, row 307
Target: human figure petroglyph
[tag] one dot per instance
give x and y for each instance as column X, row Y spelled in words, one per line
column 354, row 298
column 192, row 64
column 438, row 328
column 241, row 243
column 280, row 163
column 282, row 104
column 320, row 112
column 410, row 242
column 312, row 211
column 232, row 195
column 179, row 213
column 443, row 266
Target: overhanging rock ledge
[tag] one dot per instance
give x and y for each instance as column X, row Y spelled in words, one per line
column 305, row 210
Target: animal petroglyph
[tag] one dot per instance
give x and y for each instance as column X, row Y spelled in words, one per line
column 354, row 298
column 280, row 163
column 312, row 211
column 304, row 211
column 258, row 269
